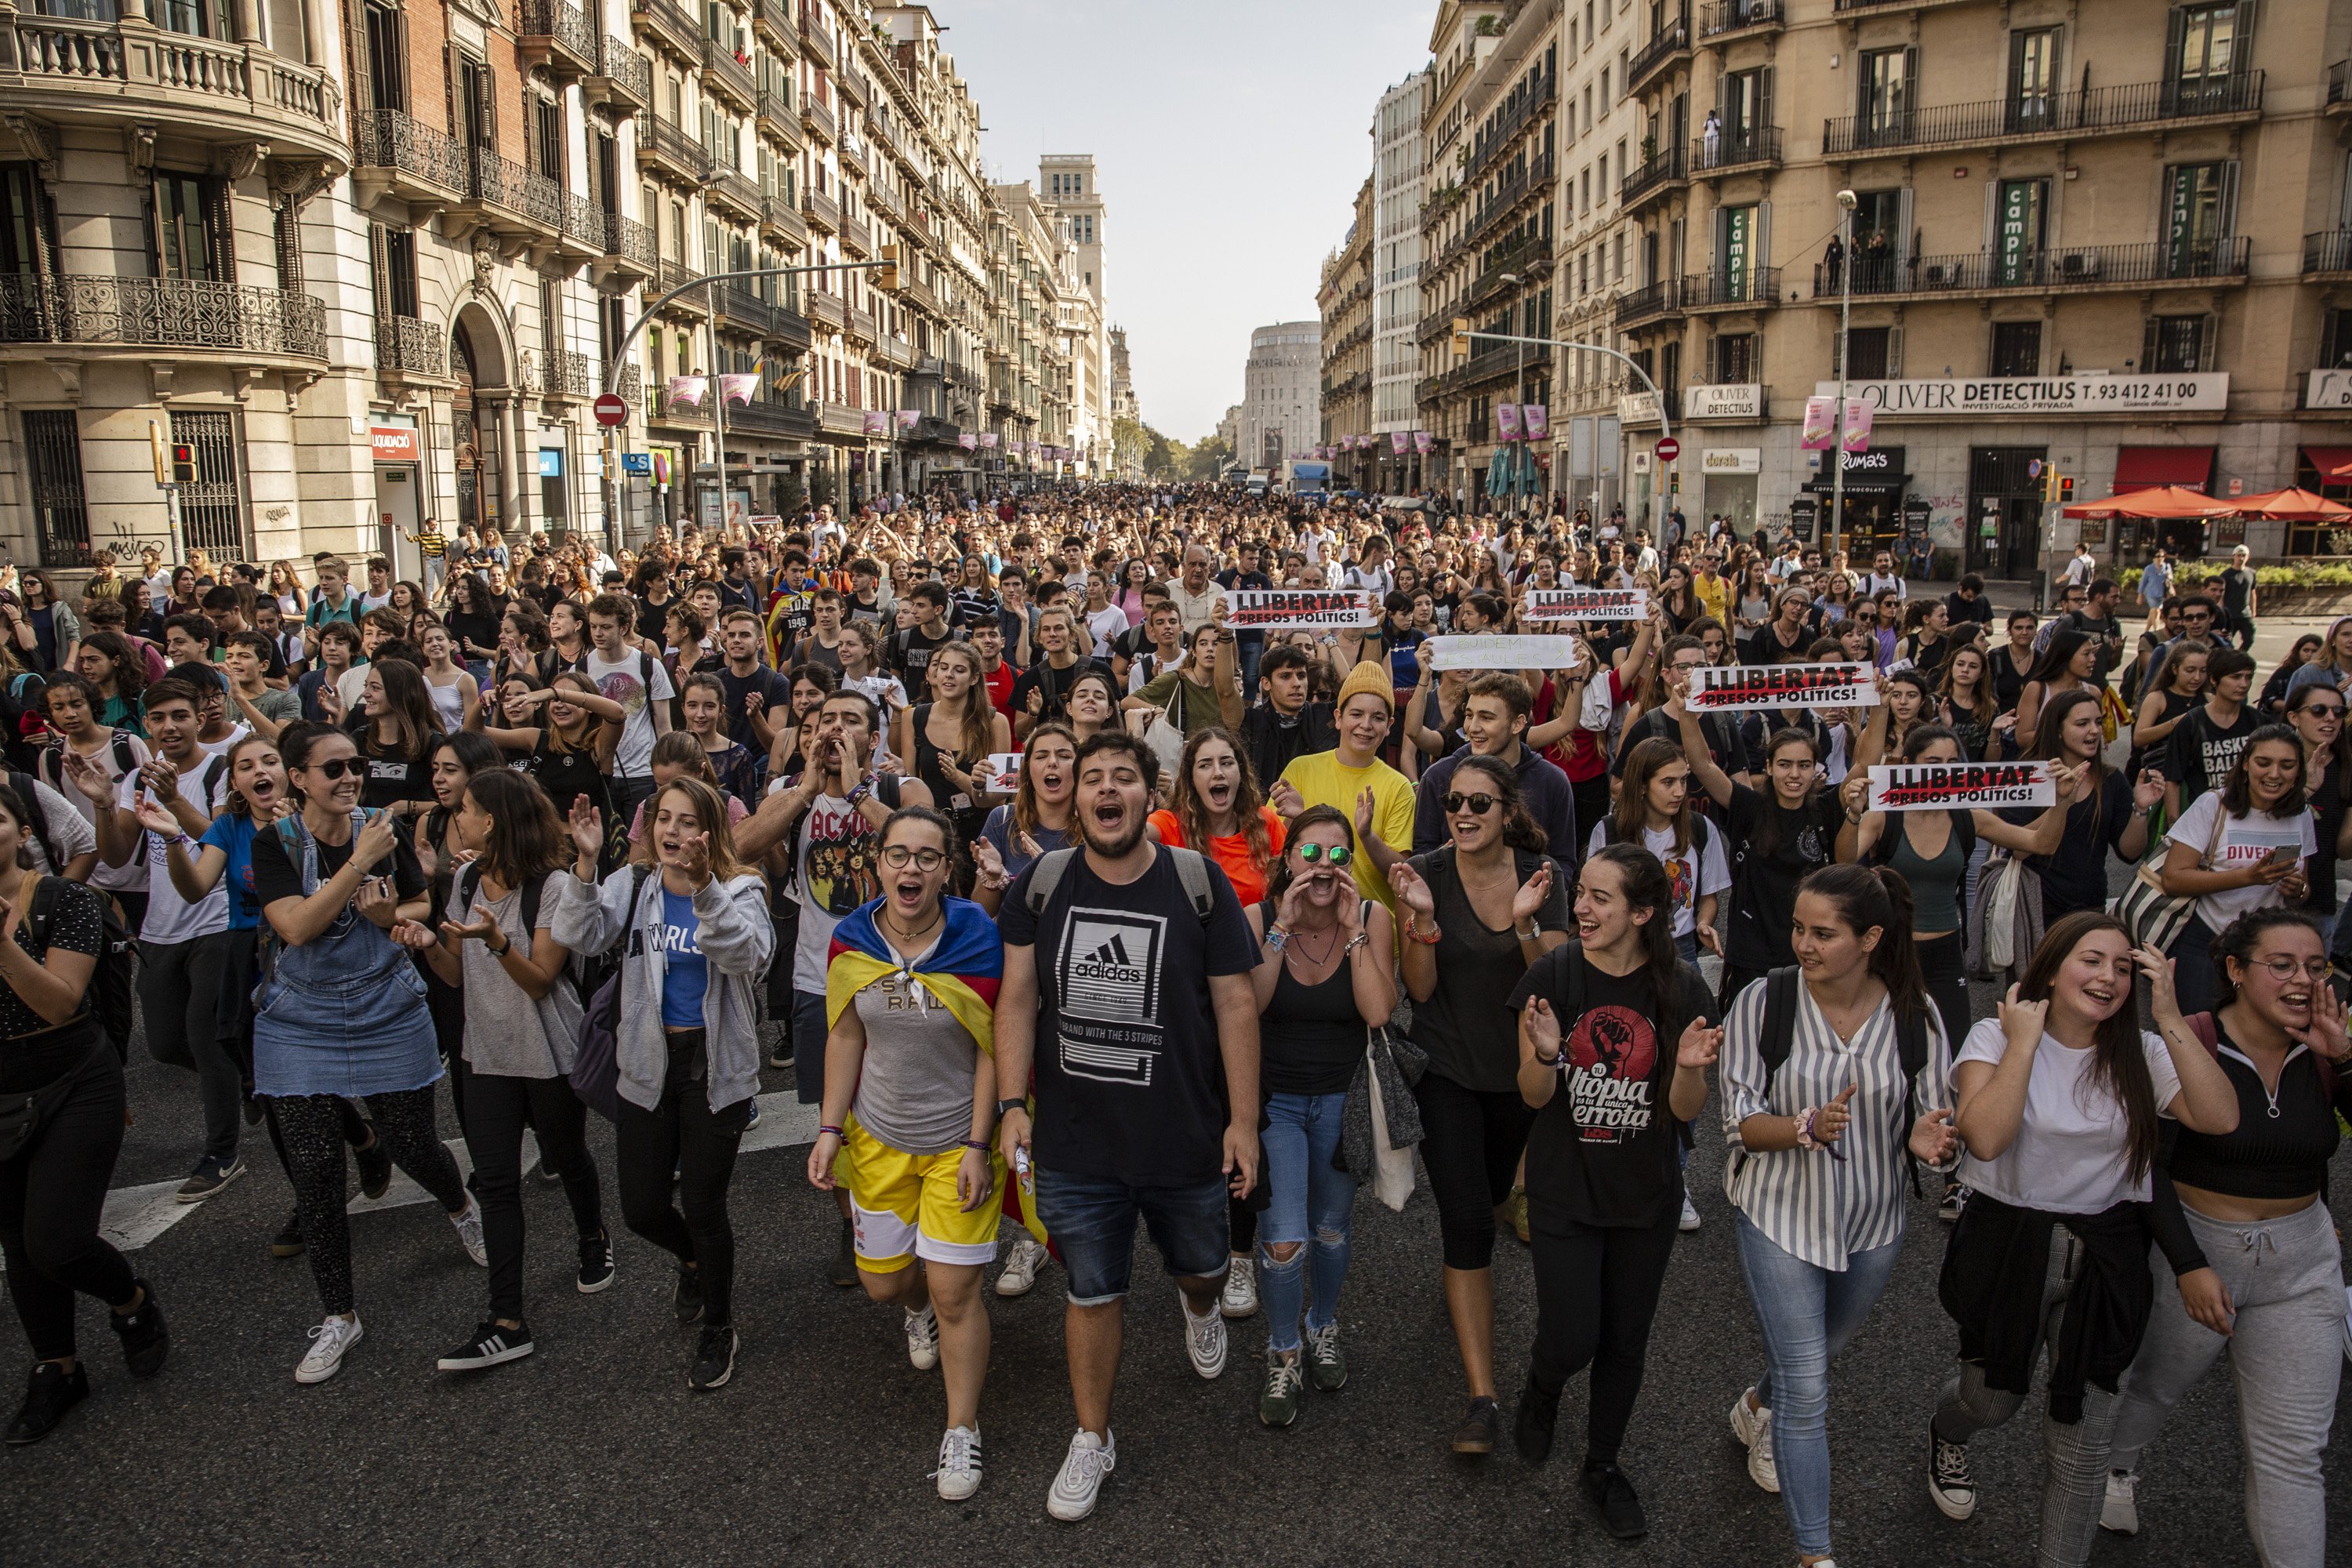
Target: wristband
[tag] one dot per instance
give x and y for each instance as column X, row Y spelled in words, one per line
column 1006, row 1107
column 1536, row 934
column 836, row 1132
column 1277, row 939
column 979, row 1145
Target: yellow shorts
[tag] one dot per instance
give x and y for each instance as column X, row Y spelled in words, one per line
column 904, row 1206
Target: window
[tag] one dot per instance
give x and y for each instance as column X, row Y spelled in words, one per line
column 2335, row 341
column 191, row 244
column 27, row 221
column 2017, row 348
column 476, row 105
column 387, row 45
column 397, row 276
column 212, row 510
column 1868, row 353
column 1735, row 359
column 2174, row 346
column 2032, row 78
column 197, row 18
column 53, row 471
column 2205, row 56
column 1886, row 108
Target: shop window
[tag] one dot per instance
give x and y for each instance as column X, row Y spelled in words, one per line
column 2017, row 348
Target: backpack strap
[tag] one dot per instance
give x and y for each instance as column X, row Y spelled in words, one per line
column 1779, row 1020
column 204, row 783
column 1046, row 876
column 468, row 877
column 29, row 791
column 1911, row 1050
column 532, row 891
column 1192, row 870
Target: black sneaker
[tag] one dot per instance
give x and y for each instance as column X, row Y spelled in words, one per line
column 210, row 1174
column 596, row 1268
column 780, row 1056
column 714, row 1359
column 843, row 1269
column 1612, row 1495
column 491, row 1344
column 1531, row 1424
column 1481, row 1429
column 252, row 1110
column 688, row 1298
column 549, row 1176
column 145, row 1341
column 288, row 1242
column 49, row 1392
column 376, row 1168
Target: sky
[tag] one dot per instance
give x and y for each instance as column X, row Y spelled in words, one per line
column 1229, row 137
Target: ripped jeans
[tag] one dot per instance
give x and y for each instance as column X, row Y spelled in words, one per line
column 1309, row 1209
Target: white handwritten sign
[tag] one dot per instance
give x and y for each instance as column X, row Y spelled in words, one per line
column 1503, row 653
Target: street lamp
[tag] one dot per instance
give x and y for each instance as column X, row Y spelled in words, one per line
column 1847, row 201
column 1519, row 383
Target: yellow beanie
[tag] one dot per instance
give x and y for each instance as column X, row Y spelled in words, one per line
column 1371, row 676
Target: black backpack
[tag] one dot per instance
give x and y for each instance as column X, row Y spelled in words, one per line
column 1910, row 1044
column 108, row 999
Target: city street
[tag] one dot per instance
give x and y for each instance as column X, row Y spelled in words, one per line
column 594, row 1448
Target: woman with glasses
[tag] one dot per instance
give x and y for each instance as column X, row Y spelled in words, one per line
column 1329, row 976
column 2315, row 713
column 1477, row 912
column 2237, row 850
column 2251, row 1261
column 909, row 1105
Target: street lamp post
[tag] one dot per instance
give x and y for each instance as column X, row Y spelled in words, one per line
column 1518, row 385
column 1847, row 202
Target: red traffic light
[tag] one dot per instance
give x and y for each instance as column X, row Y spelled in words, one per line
column 184, row 463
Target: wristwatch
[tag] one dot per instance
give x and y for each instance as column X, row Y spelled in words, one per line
column 1004, row 1105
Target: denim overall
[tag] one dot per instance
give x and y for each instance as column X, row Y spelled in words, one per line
column 344, row 1013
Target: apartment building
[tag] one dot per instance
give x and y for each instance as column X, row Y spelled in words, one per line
column 1345, row 299
column 1281, row 406
column 1126, row 412
column 2102, row 236
column 1032, row 268
column 1598, row 138
column 1073, row 192
column 1401, row 175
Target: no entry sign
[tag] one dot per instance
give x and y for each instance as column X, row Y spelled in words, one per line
column 610, row 410
column 1669, row 449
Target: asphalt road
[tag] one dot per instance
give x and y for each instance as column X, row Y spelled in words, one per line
column 594, row 1449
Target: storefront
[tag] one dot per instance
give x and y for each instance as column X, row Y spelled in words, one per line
column 2130, row 542
column 2005, row 508
column 1731, row 474
column 400, row 503
column 1875, row 485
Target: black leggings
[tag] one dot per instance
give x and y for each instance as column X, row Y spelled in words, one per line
column 53, row 1190
column 496, row 1110
column 1471, row 1142
column 354, row 1128
column 683, row 1135
column 1596, row 1295
column 313, row 1125
column 1943, row 968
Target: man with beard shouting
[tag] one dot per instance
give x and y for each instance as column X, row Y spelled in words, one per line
column 1127, row 986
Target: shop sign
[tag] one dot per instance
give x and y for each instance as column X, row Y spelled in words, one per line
column 1736, row 401
column 2328, row 389
column 392, row 444
column 1802, row 510
column 1638, row 408
column 1732, row 460
column 637, row 462
column 2200, row 392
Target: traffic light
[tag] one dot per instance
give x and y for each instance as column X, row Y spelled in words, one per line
column 2066, row 488
column 886, row 277
column 184, row 463
column 1461, row 337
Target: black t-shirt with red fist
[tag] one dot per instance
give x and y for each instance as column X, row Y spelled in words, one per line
column 1604, row 1150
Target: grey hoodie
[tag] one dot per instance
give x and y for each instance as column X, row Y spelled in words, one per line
column 737, row 941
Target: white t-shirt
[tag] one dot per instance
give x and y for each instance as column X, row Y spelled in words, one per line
column 620, row 680
column 1698, row 871
column 833, row 851
column 171, row 918
column 2244, row 840
column 2069, row 1154
column 131, row 878
column 74, row 833
column 1105, row 623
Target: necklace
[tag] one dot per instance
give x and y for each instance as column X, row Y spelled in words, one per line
column 906, row 937
column 1316, row 960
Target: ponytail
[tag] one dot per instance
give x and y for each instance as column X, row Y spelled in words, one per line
column 1877, row 896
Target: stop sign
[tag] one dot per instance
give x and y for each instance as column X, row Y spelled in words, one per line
column 610, row 410
column 1669, row 449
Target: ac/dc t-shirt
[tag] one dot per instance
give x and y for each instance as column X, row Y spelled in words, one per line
column 1130, row 1080
column 1603, row 1151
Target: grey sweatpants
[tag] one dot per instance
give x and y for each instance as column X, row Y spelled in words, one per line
column 2074, row 1459
column 2284, row 1277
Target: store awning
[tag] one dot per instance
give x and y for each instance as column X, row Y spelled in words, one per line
column 2334, row 463
column 2145, row 468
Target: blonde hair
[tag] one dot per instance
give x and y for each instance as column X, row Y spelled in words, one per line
column 710, row 811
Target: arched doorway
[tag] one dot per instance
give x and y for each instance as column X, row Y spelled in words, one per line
column 478, row 456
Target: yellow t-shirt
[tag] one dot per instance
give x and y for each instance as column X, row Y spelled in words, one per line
column 1320, row 780
column 1715, row 596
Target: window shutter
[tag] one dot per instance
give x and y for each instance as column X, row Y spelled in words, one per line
column 1764, row 122
column 2176, row 41
column 2209, row 345
column 1711, row 342
column 1837, row 352
column 378, row 263
column 2229, row 214
column 1761, row 247
column 1903, row 239
column 2147, row 347
column 1719, row 242
column 1910, row 84
column 1893, row 353
column 220, row 229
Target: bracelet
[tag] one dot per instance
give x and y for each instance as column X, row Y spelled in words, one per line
column 1360, row 939
column 1553, row 1060
column 502, row 951
column 1413, row 931
column 1006, row 1107
column 1805, row 1129
column 836, row 1132
column 1277, row 939
column 979, row 1145
column 1535, row 934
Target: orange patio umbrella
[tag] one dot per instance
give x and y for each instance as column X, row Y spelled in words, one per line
column 2293, row 506
column 2159, row 501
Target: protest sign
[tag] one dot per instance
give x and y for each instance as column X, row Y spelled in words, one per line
column 1586, row 605
column 1943, row 786
column 1281, row 609
column 1729, row 687
column 1502, row 653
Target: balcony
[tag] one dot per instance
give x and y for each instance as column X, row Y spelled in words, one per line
column 663, row 409
column 1533, row 180
column 765, row 417
column 623, row 383
column 555, row 36
column 397, row 162
column 581, row 227
column 622, row 80
column 629, row 257
column 108, row 313
column 668, row 150
column 565, row 376
column 816, row 42
column 409, row 352
column 827, row 310
column 76, row 71
column 861, row 325
column 726, row 75
column 918, row 295
column 669, row 24
column 1506, row 127
column 733, row 191
column 773, row 21
column 2339, row 88
column 1659, row 300
column 820, row 210
column 2068, row 116
column 1738, row 153
column 840, row 419
column 1723, row 20
column 1670, row 42
column 2327, row 252
column 2075, row 269
column 818, row 119
column 781, row 219
column 884, row 200
column 1848, row 7
column 775, row 118
column 895, row 351
column 856, row 238
column 741, row 310
column 1756, row 288
column 507, row 200
column 695, row 303
column 1664, row 174
column 853, row 158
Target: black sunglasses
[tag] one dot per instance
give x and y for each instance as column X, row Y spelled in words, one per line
column 1479, row 804
column 338, row 767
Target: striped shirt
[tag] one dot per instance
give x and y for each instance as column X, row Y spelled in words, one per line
column 1811, row 1205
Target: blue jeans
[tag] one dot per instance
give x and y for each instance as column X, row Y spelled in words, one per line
column 1807, row 1314
column 1092, row 1220
column 1309, row 1203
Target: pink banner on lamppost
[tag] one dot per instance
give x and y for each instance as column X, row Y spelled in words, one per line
column 1538, row 420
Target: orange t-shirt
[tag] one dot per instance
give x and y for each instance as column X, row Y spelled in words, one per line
column 1233, row 854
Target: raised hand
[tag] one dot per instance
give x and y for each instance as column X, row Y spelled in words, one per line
column 2163, row 1003
column 1933, row 1138
column 2326, row 1033
column 1530, row 898
column 1830, row 1121
column 1411, row 890
column 90, row 779
column 1543, row 1029
column 427, row 857
column 693, row 860
column 2022, row 1022
column 989, row 865
column 2149, row 791
column 1699, row 1046
column 376, row 840
column 587, row 825
column 161, row 778
column 154, row 815
column 463, row 932
column 1285, row 799
column 1365, row 805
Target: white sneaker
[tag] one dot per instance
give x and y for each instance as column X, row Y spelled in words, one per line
column 329, row 1341
column 959, row 1471
column 1204, row 1339
column 1690, row 1220
column 469, row 1227
column 1020, row 1268
column 1090, row 1459
column 1239, row 1298
column 2120, row 1511
column 1753, row 1428
column 923, row 1338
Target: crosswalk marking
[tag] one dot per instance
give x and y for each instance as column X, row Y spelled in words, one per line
column 135, row 1217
